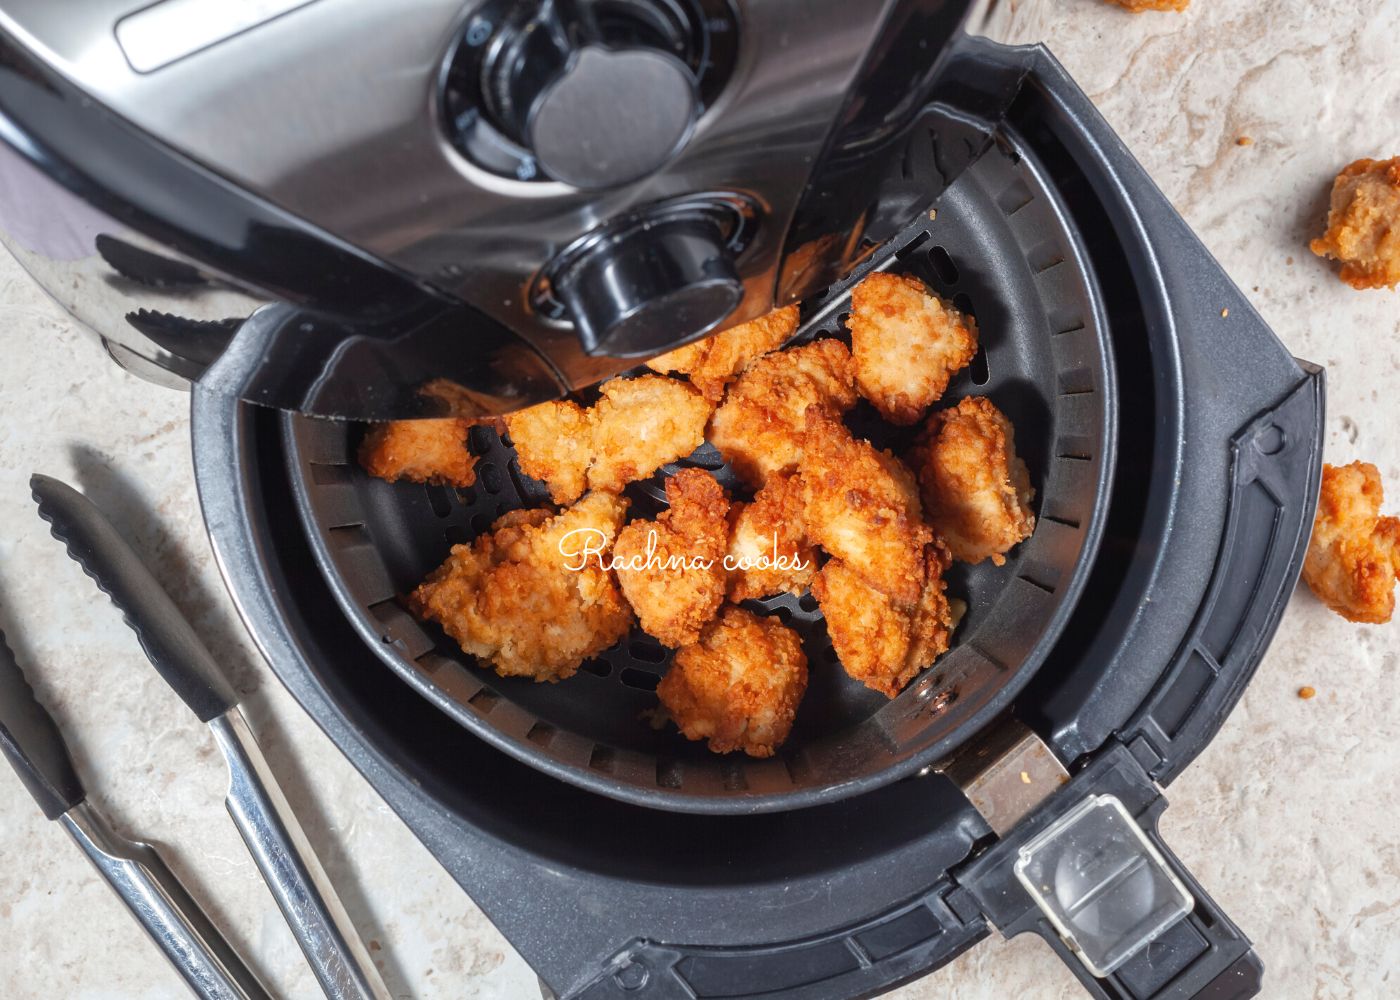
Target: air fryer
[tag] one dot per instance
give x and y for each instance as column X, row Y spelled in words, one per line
column 236, row 204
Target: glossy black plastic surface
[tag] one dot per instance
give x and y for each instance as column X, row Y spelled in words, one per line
column 168, row 639
column 32, row 743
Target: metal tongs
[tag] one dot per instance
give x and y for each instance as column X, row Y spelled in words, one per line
column 32, row 742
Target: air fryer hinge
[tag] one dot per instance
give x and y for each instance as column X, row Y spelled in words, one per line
column 1005, row 773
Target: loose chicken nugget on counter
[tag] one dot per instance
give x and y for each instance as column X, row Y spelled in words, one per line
column 1354, row 554
column 768, row 548
column 553, row 443
column 976, row 490
column 637, row 426
column 880, row 642
column 1139, row 6
column 759, row 426
column 1363, row 224
column 738, row 687
column 672, row 569
column 862, row 506
column 423, row 451
column 514, row 598
column 640, row 424
column 713, row 362
column 907, row 343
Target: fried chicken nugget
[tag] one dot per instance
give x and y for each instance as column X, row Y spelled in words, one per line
column 553, row 443
column 759, row 427
column 1354, row 554
column 1363, row 224
column 907, row 343
column 714, row 362
column 862, row 506
column 640, row 424
column 673, row 574
column 739, row 686
column 637, row 426
column 768, row 548
column 883, row 643
column 423, row 451
column 513, row 599
column 976, row 490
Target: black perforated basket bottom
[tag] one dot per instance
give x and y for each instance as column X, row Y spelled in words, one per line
column 1000, row 248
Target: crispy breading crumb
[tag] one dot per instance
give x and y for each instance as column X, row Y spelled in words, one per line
column 1307, row 691
column 739, row 686
column 1354, row 554
column 862, row 506
column 1363, row 224
column 511, row 598
column 976, row 490
column 759, row 427
column 768, row 548
column 1244, row 140
column 883, row 643
column 672, row 569
column 907, row 343
column 637, row 426
column 422, row 451
column 713, row 362
column 1139, row 6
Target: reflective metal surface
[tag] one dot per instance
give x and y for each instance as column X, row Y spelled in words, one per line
column 155, row 897
column 346, row 134
column 300, row 885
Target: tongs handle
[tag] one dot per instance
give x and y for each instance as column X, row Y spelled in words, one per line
column 300, row 885
column 165, row 909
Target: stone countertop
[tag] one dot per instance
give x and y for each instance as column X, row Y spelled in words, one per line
column 1288, row 818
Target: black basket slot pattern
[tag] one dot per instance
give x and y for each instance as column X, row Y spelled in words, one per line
column 998, row 248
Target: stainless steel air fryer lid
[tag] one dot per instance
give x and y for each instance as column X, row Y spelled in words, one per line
column 1215, row 466
column 333, row 206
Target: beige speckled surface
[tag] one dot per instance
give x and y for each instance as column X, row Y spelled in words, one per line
column 1289, row 817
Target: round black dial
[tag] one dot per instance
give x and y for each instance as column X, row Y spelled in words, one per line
column 595, row 93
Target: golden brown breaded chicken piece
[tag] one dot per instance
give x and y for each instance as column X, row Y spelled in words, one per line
column 738, row 687
column 1139, row 6
column 423, row 451
column 883, row 643
column 1354, row 554
column 512, row 599
column 1363, row 225
column 553, row 443
column 759, row 427
column 640, row 424
column 672, row 569
column 976, row 490
column 768, row 548
column 862, row 506
column 907, row 343
column 714, row 362
column 637, row 426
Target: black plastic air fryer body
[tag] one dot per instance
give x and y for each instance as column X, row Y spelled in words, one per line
column 1217, row 459
column 446, row 206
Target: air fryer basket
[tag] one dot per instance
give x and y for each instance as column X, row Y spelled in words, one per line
column 998, row 244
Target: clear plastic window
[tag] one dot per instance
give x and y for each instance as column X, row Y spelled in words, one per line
column 1102, row 883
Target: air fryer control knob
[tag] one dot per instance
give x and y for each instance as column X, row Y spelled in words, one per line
column 594, row 114
column 640, row 291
